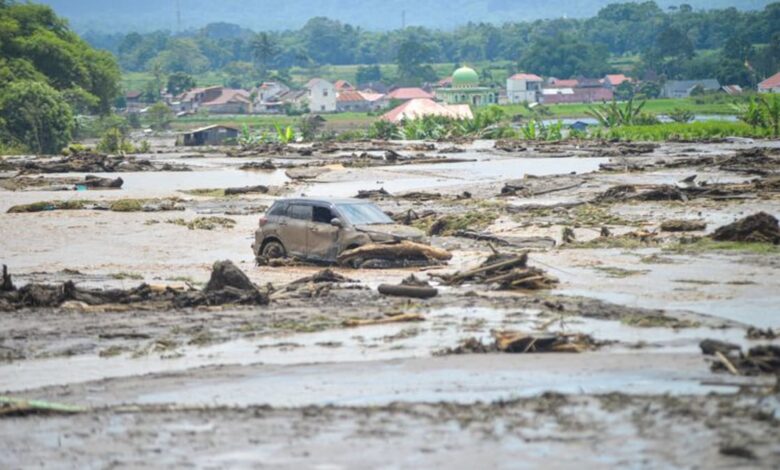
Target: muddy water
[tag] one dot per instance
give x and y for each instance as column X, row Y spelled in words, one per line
column 445, row 175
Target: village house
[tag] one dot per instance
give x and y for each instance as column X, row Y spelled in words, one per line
column 217, row 134
column 134, row 102
column 466, row 89
column 612, row 81
column 421, row 107
column 322, row 96
column 524, row 88
column 216, row 99
column 343, row 85
column 684, row 88
column 770, row 85
column 352, row 101
column 267, row 98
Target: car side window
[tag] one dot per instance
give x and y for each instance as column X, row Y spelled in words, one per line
column 278, row 210
column 322, row 215
column 299, row 211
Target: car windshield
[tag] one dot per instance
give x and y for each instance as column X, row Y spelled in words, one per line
column 364, row 214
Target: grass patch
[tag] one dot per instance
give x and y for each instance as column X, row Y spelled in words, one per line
column 449, row 224
column 615, row 272
column 682, row 131
column 657, row 321
column 700, row 282
column 127, row 205
column 204, row 223
column 205, row 192
column 124, row 275
column 704, row 244
column 44, row 206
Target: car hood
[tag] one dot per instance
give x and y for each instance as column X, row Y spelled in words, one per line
column 386, row 232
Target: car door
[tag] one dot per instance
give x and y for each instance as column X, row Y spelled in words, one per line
column 294, row 229
column 323, row 240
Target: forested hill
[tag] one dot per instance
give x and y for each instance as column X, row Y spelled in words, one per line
column 147, row 15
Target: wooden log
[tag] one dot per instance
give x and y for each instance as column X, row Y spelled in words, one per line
column 406, row 317
column 726, row 362
column 416, row 292
column 508, row 264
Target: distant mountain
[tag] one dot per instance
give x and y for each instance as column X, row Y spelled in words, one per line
column 147, row 15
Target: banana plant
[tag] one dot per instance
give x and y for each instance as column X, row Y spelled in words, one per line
column 284, row 135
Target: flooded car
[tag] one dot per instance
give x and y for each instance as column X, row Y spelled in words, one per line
column 320, row 229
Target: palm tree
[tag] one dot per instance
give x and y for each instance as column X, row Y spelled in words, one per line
column 264, row 50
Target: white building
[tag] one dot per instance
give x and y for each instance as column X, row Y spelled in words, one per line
column 524, row 88
column 322, row 96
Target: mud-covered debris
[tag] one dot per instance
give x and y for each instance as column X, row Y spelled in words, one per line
column 420, row 196
column 616, row 193
column 396, row 254
column 380, row 193
column 96, row 182
column 409, row 287
column 7, row 285
column 662, row 193
column 740, row 451
column 677, row 225
column 259, row 189
column 451, row 150
column 516, row 342
column 756, row 161
column 506, row 272
column 763, row 359
column 14, row 407
column 326, row 275
column 401, row 318
column 305, row 173
column 510, row 146
column 568, row 235
column 759, row 333
column 536, row 186
column 228, row 285
column 516, row 242
column 411, row 215
column 266, row 164
column 758, row 228
column 93, row 163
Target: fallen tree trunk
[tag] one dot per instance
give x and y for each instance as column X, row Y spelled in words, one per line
column 416, row 292
column 404, row 250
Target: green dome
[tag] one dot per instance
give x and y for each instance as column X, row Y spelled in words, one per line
column 465, row 77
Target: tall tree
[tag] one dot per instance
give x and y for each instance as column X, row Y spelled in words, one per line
column 264, row 51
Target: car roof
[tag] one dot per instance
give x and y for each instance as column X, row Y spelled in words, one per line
column 325, row 200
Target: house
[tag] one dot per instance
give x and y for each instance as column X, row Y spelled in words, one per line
column 216, row 134
column 376, row 101
column 343, row 85
column 353, row 101
column 420, row 107
column 731, row 90
column 683, row 88
column 524, row 88
column 375, row 87
column 294, row 99
column 553, row 82
column 268, row 92
column 321, row 96
column 230, row 101
column 770, row 85
column 583, row 82
column 612, row 81
column 216, row 99
column 576, row 95
column 413, row 93
column 134, row 101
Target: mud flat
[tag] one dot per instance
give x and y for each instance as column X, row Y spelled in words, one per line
column 623, row 236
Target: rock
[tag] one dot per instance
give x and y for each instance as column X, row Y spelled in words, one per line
column 373, row 194
column 226, row 274
column 759, row 227
column 259, row 189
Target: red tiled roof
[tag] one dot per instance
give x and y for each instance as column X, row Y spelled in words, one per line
column 131, row 95
column 617, row 79
column 771, row 82
column 343, row 85
column 528, row 77
column 409, row 94
column 229, row 96
column 420, row 107
column 350, row 96
column 564, row 83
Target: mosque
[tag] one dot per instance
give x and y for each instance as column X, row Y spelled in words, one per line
column 465, row 89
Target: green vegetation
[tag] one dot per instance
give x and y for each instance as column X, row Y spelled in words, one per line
column 704, row 244
column 48, row 74
column 127, row 205
column 615, row 272
column 204, row 223
column 43, row 206
column 680, row 131
column 449, row 224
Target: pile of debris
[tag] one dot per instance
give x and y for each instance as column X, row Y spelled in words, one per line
column 760, row 228
column 227, row 285
column 526, row 343
column 763, row 359
column 399, row 254
column 40, row 183
column 92, row 163
column 505, row 272
column 319, row 284
column 756, row 161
